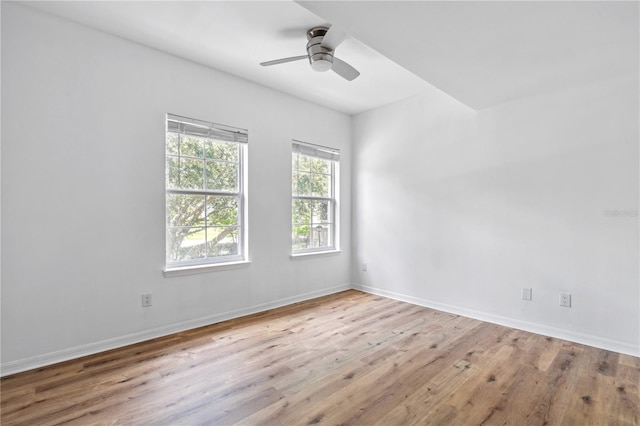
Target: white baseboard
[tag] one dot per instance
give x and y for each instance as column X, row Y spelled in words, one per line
column 38, row 361
column 585, row 339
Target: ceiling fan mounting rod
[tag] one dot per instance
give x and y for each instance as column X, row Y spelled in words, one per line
column 320, row 57
column 316, row 32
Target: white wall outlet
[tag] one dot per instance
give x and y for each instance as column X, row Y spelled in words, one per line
column 526, row 294
column 565, row 299
column 146, row 300
column 364, row 267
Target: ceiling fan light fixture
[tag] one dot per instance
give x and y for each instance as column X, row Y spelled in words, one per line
column 322, row 64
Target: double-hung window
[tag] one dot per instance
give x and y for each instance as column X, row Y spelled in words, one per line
column 314, row 198
column 205, row 193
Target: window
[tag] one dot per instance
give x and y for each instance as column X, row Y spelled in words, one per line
column 205, row 192
column 314, row 198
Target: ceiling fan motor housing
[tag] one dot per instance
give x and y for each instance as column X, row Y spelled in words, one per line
column 320, row 58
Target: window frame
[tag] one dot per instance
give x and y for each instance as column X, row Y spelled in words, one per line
column 333, row 156
column 216, row 133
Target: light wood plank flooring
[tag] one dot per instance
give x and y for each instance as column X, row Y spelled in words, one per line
column 349, row 358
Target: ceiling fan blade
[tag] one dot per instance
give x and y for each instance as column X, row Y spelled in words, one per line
column 283, row 60
column 344, row 70
column 293, row 32
column 333, row 38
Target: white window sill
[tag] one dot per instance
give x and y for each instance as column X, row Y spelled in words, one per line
column 314, row 253
column 201, row 269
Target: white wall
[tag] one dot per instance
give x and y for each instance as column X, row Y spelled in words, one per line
column 459, row 210
column 83, row 122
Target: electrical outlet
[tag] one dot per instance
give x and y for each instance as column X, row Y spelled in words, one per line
column 146, row 300
column 526, row 294
column 364, row 267
column 565, row 299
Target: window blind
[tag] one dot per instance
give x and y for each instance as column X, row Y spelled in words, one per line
column 204, row 129
column 316, row 151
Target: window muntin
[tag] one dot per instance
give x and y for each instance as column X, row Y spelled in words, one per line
column 314, row 200
column 204, row 193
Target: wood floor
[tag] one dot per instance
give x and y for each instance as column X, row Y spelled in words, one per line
column 349, row 358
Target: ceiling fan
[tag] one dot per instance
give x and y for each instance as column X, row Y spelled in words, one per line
column 322, row 43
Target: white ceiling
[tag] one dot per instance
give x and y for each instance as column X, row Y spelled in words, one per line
column 235, row 36
column 488, row 52
column 480, row 52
